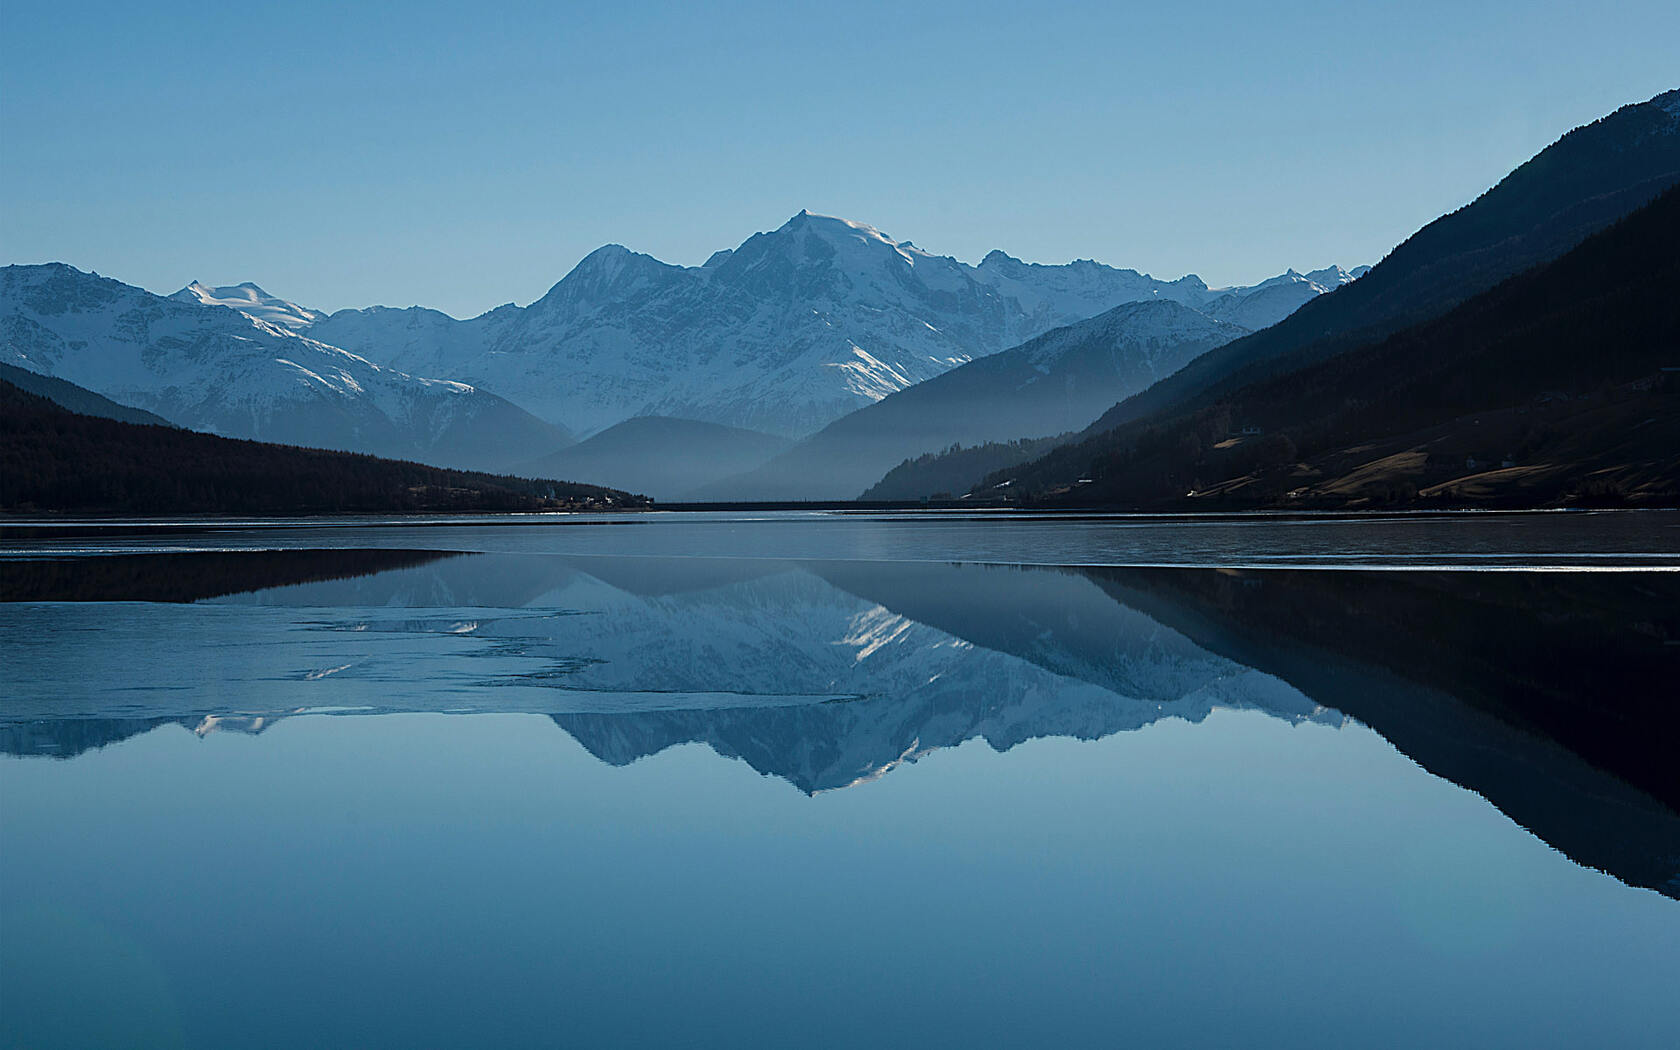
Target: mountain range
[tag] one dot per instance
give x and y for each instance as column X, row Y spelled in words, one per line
column 227, row 372
column 874, row 356
column 785, row 333
column 781, row 335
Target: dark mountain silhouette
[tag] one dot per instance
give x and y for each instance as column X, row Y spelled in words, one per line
column 1558, row 386
column 55, row 460
column 1580, row 184
column 1541, row 692
column 69, row 737
column 193, row 576
column 69, row 396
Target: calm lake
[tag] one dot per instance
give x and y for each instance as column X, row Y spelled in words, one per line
column 802, row 779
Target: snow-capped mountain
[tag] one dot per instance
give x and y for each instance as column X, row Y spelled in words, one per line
column 248, row 299
column 1273, row 299
column 1056, row 383
column 229, row 372
column 785, row 333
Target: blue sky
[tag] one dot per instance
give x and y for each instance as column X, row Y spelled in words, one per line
column 462, row 156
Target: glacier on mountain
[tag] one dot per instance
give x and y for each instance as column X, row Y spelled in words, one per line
column 252, row 301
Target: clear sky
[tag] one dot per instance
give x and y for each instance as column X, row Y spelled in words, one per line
column 466, row 155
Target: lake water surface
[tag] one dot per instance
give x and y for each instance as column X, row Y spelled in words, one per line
column 841, row 780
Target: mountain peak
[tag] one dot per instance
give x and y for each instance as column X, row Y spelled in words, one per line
column 610, row 271
column 1333, row 277
column 830, row 226
column 610, row 260
column 248, row 290
column 997, row 259
column 606, row 253
column 248, row 298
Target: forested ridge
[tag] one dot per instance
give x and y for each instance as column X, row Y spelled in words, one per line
column 54, row 460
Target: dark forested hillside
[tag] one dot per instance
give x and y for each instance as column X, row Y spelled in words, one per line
column 1580, row 184
column 54, row 460
column 76, row 399
column 1561, row 385
column 940, row 475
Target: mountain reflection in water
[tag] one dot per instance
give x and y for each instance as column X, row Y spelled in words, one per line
column 1543, row 692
